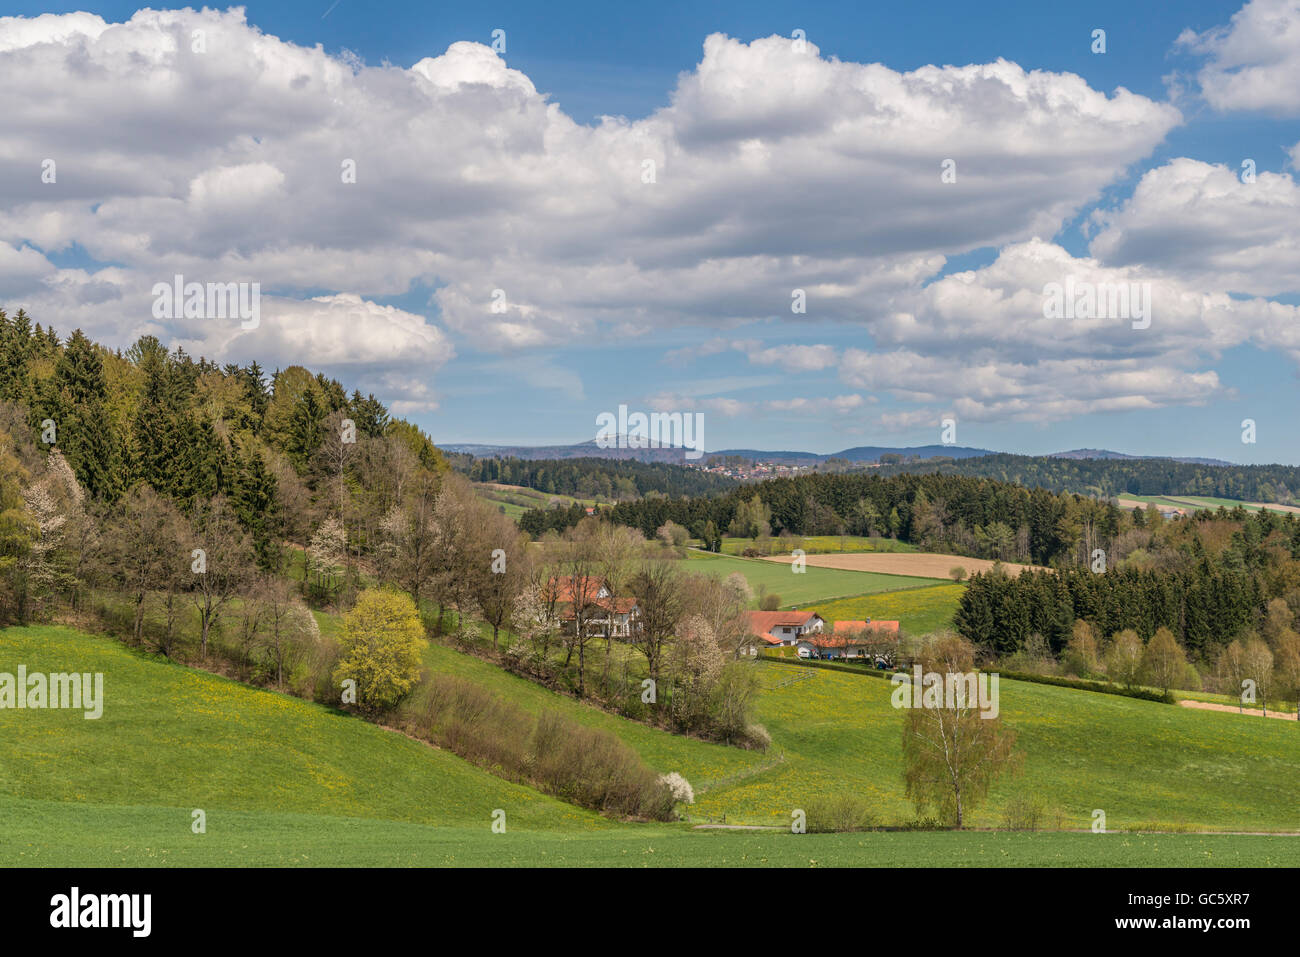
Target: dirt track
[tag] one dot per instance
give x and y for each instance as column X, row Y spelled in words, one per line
column 921, row 564
column 1211, row 706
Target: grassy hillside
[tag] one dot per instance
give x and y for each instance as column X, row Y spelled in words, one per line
column 703, row 763
column 517, row 499
column 173, row 737
column 919, row 610
column 1147, row 765
column 285, row 782
column 800, row 589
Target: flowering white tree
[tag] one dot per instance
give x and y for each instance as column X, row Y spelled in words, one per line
column 697, row 665
column 326, row 554
column 52, row 501
column 681, row 789
column 536, row 615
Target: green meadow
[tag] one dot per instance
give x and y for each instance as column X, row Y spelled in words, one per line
column 919, row 610
column 514, row 500
column 176, row 737
column 1147, row 765
column 47, row 834
column 288, row 782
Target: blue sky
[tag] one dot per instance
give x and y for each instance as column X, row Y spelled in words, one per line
column 660, row 299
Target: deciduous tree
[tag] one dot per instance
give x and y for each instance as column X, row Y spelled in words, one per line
column 223, row 566
column 145, row 550
column 1163, row 661
column 381, row 645
column 952, row 755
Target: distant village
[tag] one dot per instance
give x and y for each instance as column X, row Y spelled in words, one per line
column 744, row 470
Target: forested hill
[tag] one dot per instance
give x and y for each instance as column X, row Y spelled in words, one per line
column 1107, row 478
column 598, row 478
column 276, row 446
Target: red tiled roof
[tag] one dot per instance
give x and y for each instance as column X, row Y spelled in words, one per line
column 761, row 622
column 852, row 632
column 844, row 629
column 827, row 641
column 586, row 586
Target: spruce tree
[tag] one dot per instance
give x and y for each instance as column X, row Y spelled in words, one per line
column 85, row 431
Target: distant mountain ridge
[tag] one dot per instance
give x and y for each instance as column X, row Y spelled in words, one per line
column 1107, row 454
column 861, row 453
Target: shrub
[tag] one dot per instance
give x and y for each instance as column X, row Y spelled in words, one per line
column 1022, row 814
column 843, row 811
column 316, row 681
column 923, row 824
column 581, row 765
column 1101, row 687
column 595, row 769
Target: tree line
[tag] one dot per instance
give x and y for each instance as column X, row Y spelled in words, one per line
column 1191, row 591
column 967, row 516
column 606, row 480
column 1106, row 478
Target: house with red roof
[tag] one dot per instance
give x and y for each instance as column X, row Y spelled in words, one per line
column 604, row 615
column 777, row 628
column 876, row 640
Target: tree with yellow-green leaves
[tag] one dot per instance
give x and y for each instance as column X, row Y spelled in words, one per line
column 1163, row 661
column 18, row 530
column 382, row 640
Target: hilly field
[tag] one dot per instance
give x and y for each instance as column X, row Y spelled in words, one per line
column 286, row 782
column 1148, row 766
column 815, row 583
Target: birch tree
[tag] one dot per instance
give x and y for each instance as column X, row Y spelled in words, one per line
column 952, row 755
